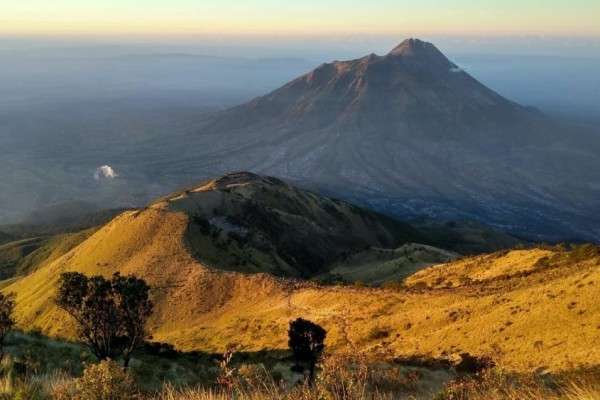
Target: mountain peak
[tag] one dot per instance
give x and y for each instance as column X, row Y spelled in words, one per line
column 412, row 46
column 417, row 50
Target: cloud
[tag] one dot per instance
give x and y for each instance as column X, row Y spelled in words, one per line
column 105, row 172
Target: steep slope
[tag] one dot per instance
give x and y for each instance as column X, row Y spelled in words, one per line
column 519, row 307
column 411, row 133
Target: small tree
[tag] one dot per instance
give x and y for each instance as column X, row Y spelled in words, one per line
column 133, row 309
column 306, row 340
column 7, row 305
column 111, row 314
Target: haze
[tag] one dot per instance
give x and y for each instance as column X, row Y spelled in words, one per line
column 578, row 17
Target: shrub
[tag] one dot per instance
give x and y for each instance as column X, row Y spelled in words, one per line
column 473, row 365
column 104, row 381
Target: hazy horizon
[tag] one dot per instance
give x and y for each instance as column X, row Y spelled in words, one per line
column 517, row 66
column 577, row 17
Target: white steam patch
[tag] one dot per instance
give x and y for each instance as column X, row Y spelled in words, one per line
column 455, row 69
column 105, row 172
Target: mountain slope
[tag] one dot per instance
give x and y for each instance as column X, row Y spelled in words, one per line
column 246, row 222
column 199, row 308
column 411, row 133
column 497, row 305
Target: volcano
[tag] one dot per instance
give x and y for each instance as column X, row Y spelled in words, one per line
column 411, row 133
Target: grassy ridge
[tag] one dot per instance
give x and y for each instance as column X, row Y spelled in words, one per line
column 198, row 308
column 518, row 307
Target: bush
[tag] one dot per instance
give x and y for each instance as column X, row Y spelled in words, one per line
column 104, row 381
column 470, row 364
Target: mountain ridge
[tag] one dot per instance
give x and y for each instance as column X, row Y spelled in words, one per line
column 442, row 311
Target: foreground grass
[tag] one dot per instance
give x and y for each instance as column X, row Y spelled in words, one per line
column 39, row 368
column 497, row 385
column 49, row 370
column 337, row 381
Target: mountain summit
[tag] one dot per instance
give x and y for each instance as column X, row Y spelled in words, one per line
column 412, row 133
column 422, row 52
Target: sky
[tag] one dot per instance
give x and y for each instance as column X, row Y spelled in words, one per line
column 306, row 17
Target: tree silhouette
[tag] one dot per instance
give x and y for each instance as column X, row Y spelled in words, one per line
column 305, row 339
column 7, row 305
column 111, row 314
column 134, row 308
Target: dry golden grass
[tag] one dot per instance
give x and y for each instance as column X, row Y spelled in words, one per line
column 481, row 268
column 497, row 385
column 526, row 309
